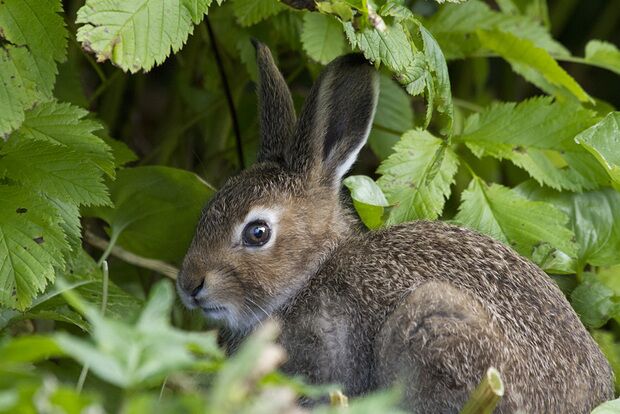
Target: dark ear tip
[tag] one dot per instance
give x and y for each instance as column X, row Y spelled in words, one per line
column 256, row 43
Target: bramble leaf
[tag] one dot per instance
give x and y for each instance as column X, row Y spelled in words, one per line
column 603, row 54
column 525, row 225
column 538, row 136
column 603, row 141
column 416, row 178
column 368, row 199
column 137, row 34
column 322, row 37
column 250, row 12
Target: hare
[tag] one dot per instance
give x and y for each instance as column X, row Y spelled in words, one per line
column 426, row 305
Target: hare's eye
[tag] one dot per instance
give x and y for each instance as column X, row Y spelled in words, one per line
column 256, row 233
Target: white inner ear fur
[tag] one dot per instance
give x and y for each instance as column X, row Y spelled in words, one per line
column 270, row 215
column 346, row 165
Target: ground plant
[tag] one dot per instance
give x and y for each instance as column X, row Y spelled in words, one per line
column 119, row 119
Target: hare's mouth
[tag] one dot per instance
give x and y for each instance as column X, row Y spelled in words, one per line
column 214, row 312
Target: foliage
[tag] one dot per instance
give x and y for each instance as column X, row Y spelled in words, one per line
column 531, row 158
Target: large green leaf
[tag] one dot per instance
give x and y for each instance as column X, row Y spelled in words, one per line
column 36, row 40
column 525, row 225
column 523, row 53
column 140, row 354
column 394, row 116
column 594, row 218
column 594, row 302
column 538, row 135
column 322, row 37
column 249, row 12
column 32, row 244
column 137, row 34
column 603, row 141
column 368, row 199
column 608, row 407
column 603, row 54
column 155, row 210
column 455, row 28
column 416, row 178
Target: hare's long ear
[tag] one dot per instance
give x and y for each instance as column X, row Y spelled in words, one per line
column 336, row 119
column 275, row 107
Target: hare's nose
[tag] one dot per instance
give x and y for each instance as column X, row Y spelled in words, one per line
column 197, row 289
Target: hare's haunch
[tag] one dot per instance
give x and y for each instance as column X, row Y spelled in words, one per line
column 424, row 304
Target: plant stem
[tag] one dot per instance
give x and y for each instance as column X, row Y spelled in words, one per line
column 229, row 99
column 487, row 394
column 151, row 264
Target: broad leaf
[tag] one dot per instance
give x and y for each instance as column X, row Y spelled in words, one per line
column 608, row 407
column 249, row 12
column 137, row 34
column 416, row 178
column 524, row 53
column 368, row 199
column 537, row 135
column 603, row 141
column 594, row 218
column 140, row 354
column 322, row 37
column 32, row 244
column 155, row 210
column 603, row 54
column 507, row 216
column 594, row 303
column 394, row 116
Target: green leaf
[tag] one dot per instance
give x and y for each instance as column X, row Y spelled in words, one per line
column 611, row 348
column 524, row 52
column 137, row 34
column 322, row 37
column 416, row 178
column 593, row 302
column 507, row 216
column 250, row 12
column 594, row 218
column 142, row 354
column 603, row 54
column 53, row 171
column 603, row 141
column 36, row 40
column 608, row 407
column 537, row 135
column 155, row 210
column 455, row 28
column 65, row 125
column 27, row 349
column 368, row 199
column 32, row 244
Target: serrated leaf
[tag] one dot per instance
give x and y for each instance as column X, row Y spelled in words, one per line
column 155, row 210
column 249, row 12
column 394, row 116
column 65, row 125
column 507, row 216
column 518, row 51
column 538, row 136
column 603, row 141
column 32, row 244
column 53, row 170
column 322, row 37
column 140, row 354
column 594, row 218
column 603, row 54
column 454, row 27
column 594, row 303
column 368, row 199
column 17, row 89
column 137, row 34
column 416, row 178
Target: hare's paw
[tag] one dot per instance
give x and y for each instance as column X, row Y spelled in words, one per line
column 438, row 343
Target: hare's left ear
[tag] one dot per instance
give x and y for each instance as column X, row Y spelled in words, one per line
column 336, row 119
column 275, row 107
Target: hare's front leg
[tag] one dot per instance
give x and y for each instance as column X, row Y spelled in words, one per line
column 438, row 343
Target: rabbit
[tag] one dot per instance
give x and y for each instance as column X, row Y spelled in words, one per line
column 425, row 305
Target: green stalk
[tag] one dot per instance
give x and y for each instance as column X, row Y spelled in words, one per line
column 487, row 395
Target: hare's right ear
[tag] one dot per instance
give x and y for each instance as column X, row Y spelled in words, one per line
column 275, row 107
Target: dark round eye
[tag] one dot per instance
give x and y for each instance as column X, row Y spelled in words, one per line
column 256, row 233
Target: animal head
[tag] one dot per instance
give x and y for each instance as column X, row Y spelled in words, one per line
column 267, row 230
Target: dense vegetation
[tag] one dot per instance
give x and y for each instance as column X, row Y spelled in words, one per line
column 111, row 110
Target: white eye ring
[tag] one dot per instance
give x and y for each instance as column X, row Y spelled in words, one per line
column 269, row 216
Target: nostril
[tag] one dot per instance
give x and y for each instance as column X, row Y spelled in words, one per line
column 197, row 288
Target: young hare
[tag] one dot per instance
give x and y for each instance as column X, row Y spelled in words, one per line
column 425, row 304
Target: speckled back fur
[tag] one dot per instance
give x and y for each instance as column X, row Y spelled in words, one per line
column 426, row 305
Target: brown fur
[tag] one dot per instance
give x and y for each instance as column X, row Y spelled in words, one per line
column 425, row 304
